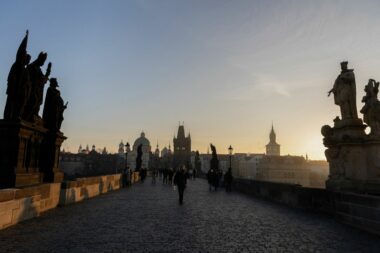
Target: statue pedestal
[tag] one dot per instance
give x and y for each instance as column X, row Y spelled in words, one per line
column 354, row 159
column 50, row 149
column 20, row 143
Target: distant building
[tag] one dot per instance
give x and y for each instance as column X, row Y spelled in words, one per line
column 121, row 149
column 87, row 164
column 272, row 147
column 157, row 151
column 83, row 151
column 245, row 165
column 283, row 169
column 182, row 149
column 146, row 149
column 166, row 159
column 319, row 172
column 166, row 151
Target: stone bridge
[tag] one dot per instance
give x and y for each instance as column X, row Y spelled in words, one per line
column 147, row 218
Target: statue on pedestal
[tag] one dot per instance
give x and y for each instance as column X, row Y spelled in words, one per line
column 344, row 90
column 29, row 149
column 353, row 156
column 54, row 107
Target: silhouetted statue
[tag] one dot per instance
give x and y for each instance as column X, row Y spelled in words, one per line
column 38, row 80
column 214, row 166
column 371, row 108
column 139, row 157
column 345, row 92
column 18, row 89
column 214, row 155
column 54, row 107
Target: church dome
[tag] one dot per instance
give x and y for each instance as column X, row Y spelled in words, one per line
column 141, row 140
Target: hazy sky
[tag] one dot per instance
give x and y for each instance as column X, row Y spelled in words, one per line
column 225, row 68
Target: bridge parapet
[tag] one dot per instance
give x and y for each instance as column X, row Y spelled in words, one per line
column 21, row 204
column 359, row 210
column 18, row 204
column 89, row 187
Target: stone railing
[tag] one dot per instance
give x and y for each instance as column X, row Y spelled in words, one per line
column 88, row 187
column 358, row 210
column 21, row 204
column 18, row 204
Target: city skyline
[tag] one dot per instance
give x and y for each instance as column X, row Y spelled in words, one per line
column 227, row 69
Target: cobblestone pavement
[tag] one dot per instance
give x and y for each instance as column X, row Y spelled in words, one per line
column 147, row 218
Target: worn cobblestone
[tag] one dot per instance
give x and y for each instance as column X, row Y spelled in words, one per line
column 147, row 218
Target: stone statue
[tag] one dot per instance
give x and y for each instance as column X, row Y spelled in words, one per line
column 214, row 162
column 54, row 107
column 139, row 157
column 38, row 80
column 353, row 156
column 345, row 92
column 213, row 151
column 18, row 89
column 371, row 108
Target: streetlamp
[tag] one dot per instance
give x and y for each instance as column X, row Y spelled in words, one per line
column 230, row 149
column 127, row 176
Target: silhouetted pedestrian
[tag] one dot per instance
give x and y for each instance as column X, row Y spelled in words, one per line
column 216, row 178
column 210, row 177
column 180, row 180
column 165, row 176
column 154, row 174
column 125, row 176
column 228, row 178
column 142, row 175
column 170, row 176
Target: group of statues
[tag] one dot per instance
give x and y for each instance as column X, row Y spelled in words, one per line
column 344, row 91
column 25, row 89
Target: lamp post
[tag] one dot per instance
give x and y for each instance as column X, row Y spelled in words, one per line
column 230, row 149
column 127, row 173
column 228, row 176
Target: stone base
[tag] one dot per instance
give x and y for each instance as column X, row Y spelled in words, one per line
column 358, row 186
column 54, row 177
column 27, row 179
column 353, row 157
column 19, row 153
column 49, row 159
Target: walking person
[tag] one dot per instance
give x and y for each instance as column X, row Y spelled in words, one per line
column 228, row 178
column 154, row 174
column 216, row 177
column 210, row 178
column 170, row 176
column 180, row 180
column 165, row 176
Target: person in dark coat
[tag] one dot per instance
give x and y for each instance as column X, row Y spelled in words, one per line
column 170, row 176
column 165, row 176
column 142, row 175
column 210, row 178
column 180, row 180
column 228, row 178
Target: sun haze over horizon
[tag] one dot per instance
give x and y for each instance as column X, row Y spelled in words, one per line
column 225, row 68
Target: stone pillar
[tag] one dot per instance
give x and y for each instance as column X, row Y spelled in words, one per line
column 20, row 143
column 49, row 157
column 353, row 156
